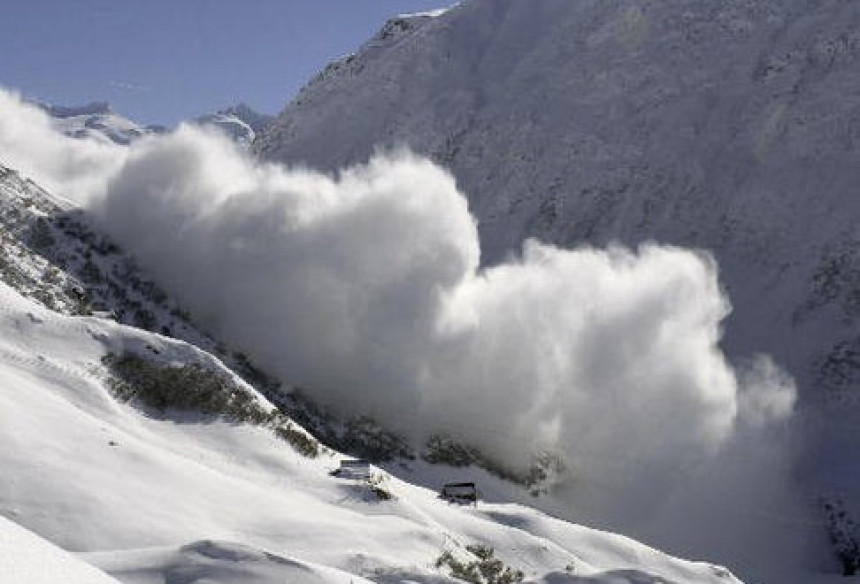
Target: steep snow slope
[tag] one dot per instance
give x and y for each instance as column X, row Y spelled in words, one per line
column 148, row 489
column 729, row 126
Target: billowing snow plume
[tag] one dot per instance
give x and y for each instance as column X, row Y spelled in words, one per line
column 30, row 144
column 365, row 288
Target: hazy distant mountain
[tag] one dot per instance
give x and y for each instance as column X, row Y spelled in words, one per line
column 97, row 120
column 239, row 122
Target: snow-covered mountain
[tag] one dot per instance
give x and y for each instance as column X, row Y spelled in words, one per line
column 97, row 121
column 726, row 126
column 241, row 123
column 148, row 458
column 721, row 126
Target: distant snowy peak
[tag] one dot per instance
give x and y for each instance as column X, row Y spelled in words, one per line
column 230, row 125
column 241, row 123
column 257, row 121
column 96, row 120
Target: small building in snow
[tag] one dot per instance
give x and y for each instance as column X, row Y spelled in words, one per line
column 354, row 469
column 460, row 493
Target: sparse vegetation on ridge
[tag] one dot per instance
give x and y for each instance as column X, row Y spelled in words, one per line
column 484, row 569
column 190, row 387
column 442, row 449
column 360, row 436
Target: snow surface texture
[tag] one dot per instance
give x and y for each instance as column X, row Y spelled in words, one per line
column 159, row 498
column 27, row 558
column 365, row 288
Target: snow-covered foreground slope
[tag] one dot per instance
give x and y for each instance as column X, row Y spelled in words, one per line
column 26, row 557
column 159, row 497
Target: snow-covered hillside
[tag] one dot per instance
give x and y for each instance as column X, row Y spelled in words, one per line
column 156, row 494
column 28, row 558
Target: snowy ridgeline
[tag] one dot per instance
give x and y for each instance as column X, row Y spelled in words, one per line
column 153, row 493
column 96, row 121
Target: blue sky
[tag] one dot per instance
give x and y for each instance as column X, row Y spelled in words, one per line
column 160, row 61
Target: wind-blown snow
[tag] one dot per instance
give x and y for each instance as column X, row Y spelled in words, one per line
column 365, row 287
column 29, row 143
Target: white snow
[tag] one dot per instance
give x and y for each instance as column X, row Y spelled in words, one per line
column 232, row 126
column 716, row 125
column 96, row 122
column 426, row 13
column 26, row 558
column 150, row 499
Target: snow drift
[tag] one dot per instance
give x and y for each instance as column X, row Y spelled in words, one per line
column 365, row 288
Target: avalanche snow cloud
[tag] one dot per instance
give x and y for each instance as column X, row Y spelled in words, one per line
column 365, row 288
